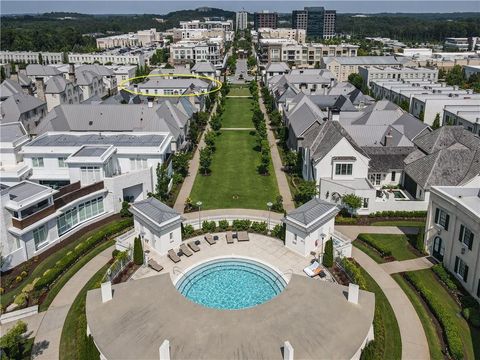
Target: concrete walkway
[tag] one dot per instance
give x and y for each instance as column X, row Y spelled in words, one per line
column 47, row 340
column 282, row 181
column 414, row 341
column 407, row 265
column 193, row 167
column 352, row 231
column 238, row 96
column 250, row 129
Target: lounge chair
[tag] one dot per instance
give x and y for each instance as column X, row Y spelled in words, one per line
column 193, row 246
column 313, row 270
column 209, row 239
column 185, row 250
column 154, row 265
column 173, row 256
column 242, row 236
column 229, row 237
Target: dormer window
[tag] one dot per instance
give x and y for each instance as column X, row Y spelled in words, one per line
column 37, row 162
column 343, row 169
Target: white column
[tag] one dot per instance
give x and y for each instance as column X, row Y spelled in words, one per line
column 287, row 351
column 164, row 350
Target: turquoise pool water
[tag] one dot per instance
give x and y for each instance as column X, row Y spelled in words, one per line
column 231, row 283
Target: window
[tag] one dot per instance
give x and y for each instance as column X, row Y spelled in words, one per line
column 365, row 203
column 466, row 236
column 40, row 237
column 37, row 162
column 461, row 269
column 90, row 174
column 394, row 175
column 83, row 212
column 375, row 179
column 61, row 162
column 442, row 218
column 171, row 237
column 138, row 163
column 343, row 169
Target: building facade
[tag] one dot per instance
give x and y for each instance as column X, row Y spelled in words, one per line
column 299, row 19
column 241, row 20
column 29, row 57
column 265, row 19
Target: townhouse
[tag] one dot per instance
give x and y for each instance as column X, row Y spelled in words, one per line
column 12, row 167
column 467, row 116
column 30, row 57
column 187, row 52
column 371, row 73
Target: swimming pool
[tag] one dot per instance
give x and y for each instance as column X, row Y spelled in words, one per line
column 231, row 283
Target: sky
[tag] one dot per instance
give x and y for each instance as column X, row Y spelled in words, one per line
column 165, row 6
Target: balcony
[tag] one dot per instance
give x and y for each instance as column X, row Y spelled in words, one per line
column 66, row 195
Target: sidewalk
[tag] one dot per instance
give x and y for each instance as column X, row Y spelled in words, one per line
column 407, row 265
column 47, row 340
column 352, row 231
column 282, row 181
column 414, row 341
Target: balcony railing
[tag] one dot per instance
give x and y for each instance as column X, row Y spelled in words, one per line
column 66, row 195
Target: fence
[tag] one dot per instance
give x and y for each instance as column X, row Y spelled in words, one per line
column 120, row 263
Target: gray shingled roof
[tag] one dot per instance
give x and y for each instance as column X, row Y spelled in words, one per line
column 16, row 105
column 385, row 159
column 155, row 210
column 73, row 139
column 42, row 70
column 10, row 132
column 97, row 69
column 24, row 190
column 9, row 88
column 313, row 211
column 203, row 66
column 56, row 85
column 366, row 60
column 277, row 67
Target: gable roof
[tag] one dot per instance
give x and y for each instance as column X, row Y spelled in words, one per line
column 56, row 85
column 313, row 212
column 16, row 105
column 203, row 66
column 155, row 210
column 9, row 88
column 42, row 70
column 277, row 67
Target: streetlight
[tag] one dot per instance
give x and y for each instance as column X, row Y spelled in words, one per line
column 199, row 205
column 269, row 205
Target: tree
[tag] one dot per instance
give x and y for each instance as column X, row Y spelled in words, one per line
column 40, row 59
column 137, row 251
column 264, row 162
column 251, row 61
column 205, row 160
column 436, row 122
column 193, row 132
column 13, row 343
column 327, row 259
column 180, row 163
column 356, row 80
column 307, row 190
column 125, row 212
column 317, row 65
column 421, row 115
column 209, row 139
column 405, row 105
column 352, row 202
column 161, row 189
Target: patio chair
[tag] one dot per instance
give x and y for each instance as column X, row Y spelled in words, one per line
column 193, row 246
column 209, row 239
column 242, row 236
column 313, row 270
column 173, row 256
column 229, row 237
column 185, row 250
column 154, row 265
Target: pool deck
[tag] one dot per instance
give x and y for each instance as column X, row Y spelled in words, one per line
column 314, row 316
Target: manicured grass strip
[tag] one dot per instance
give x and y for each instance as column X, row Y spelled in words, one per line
column 459, row 336
column 239, row 91
column 401, row 223
column 434, row 342
column 387, row 334
column 238, row 113
column 235, row 181
column 74, row 343
column 396, row 245
column 374, row 254
column 58, row 285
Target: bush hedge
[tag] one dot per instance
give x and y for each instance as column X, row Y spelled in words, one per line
column 354, row 272
column 444, row 276
column 419, row 242
column 381, row 248
column 340, row 220
column 443, row 316
column 404, row 214
column 223, row 225
column 49, row 277
column 328, row 255
column 137, row 251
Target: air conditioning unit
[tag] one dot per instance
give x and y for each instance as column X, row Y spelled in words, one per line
column 463, row 250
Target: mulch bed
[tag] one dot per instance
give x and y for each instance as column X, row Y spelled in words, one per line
column 339, row 275
column 126, row 273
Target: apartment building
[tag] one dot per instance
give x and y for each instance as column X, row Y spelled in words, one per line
column 318, row 22
column 132, row 58
column 186, row 52
column 299, row 19
column 123, row 73
column 163, row 86
column 30, row 57
column 265, row 19
column 58, row 90
column 467, row 116
column 461, row 44
column 241, row 20
column 373, row 73
column 226, row 25
column 343, row 66
column 297, row 35
column 12, row 168
column 202, row 34
column 452, row 233
column 140, row 38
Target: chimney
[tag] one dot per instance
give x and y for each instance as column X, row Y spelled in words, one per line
column 287, row 351
column 388, row 138
column 40, row 88
column 71, row 73
column 353, row 292
column 332, row 82
column 164, row 350
column 14, row 77
column 150, row 102
column 106, row 291
column 135, row 88
column 335, row 114
column 17, row 68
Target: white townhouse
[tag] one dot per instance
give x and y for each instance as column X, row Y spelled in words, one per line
column 58, row 90
column 12, row 167
column 30, row 57
column 123, row 73
column 206, row 68
column 372, row 73
column 452, row 234
column 162, row 86
column 274, row 69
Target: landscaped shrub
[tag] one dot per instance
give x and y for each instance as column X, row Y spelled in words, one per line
column 354, row 272
column 406, row 214
column 137, row 251
column 444, row 276
column 114, row 253
column 472, row 315
column 383, row 250
column 328, row 255
column 420, row 240
column 340, row 220
column 368, row 352
column 241, row 225
column 445, row 319
column 278, row 231
column 259, row 227
column 187, row 230
column 14, row 343
column 223, row 225
column 209, row 226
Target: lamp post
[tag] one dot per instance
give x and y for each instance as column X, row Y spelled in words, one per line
column 269, row 205
column 320, row 258
column 199, row 205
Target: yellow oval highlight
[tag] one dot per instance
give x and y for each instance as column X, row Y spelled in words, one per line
column 218, row 83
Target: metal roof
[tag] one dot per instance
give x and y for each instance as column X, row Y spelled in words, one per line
column 312, row 211
column 52, row 139
column 155, row 210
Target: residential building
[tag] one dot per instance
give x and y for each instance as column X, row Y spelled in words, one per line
column 315, row 21
column 34, row 71
column 202, row 34
column 205, row 68
column 163, row 86
column 467, row 116
column 91, row 83
column 131, row 58
column 299, row 19
column 330, row 24
column 343, row 66
column 275, row 69
column 452, row 233
column 12, row 168
column 140, row 38
column 297, row 35
column 187, row 52
column 265, row 19
column 58, row 90
column 226, row 25
column 29, row 57
column 123, row 73
column 372, row 73
column 470, row 70
column 241, row 20
column 416, row 53
column 461, row 44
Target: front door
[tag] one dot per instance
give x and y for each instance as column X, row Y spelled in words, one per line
column 438, row 248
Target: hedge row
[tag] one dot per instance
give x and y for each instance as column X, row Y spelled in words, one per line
column 444, row 276
column 419, row 241
column 380, row 247
column 237, row 225
column 62, row 265
column 340, row 220
column 400, row 214
column 443, row 316
column 354, row 272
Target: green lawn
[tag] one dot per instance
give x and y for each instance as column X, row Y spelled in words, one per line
column 470, row 336
column 397, row 244
column 374, row 254
column 239, row 91
column 238, row 113
column 400, row 223
column 388, row 344
column 73, row 342
column 434, row 343
column 234, row 181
